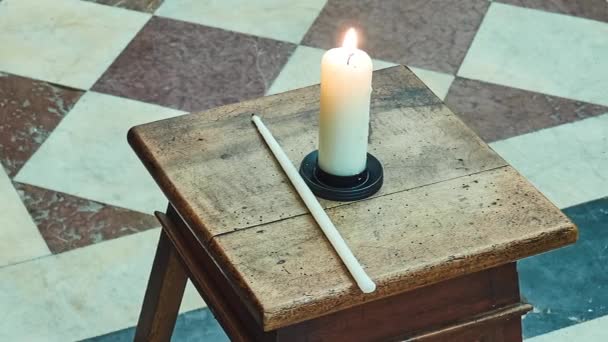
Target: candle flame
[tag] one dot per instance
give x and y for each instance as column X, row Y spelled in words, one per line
column 350, row 39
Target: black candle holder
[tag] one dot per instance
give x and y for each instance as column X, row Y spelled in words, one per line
column 339, row 188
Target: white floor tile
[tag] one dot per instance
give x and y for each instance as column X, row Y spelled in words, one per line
column 301, row 70
column 81, row 293
column 567, row 163
column 63, row 41
column 540, row 51
column 20, row 239
column 278, row 19
column 438, row 82
column 304, row 69
column 87, row 155
column 591, row 331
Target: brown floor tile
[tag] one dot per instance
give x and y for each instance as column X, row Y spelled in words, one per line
column 497, row 112
column 29, row 111
column 431, row 34
column 67, row 222
column 193, row 67
column 591, row 9
column 138, row 5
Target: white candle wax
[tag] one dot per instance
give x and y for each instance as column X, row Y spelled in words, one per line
column 350, row 261
column 346, row 86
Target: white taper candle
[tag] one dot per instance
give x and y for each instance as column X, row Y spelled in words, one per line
column 365, row 283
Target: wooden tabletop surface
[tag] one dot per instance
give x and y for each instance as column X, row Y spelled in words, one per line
column 449, row 205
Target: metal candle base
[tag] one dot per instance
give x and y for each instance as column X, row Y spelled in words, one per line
column 338, row 188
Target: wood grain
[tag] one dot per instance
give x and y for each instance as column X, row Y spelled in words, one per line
column 221, row 176
column 480, row 304
column 439, row 307
column 163, row 296
column 211, row 284
column 501, row 325
column 405, row 240
column 450, row 206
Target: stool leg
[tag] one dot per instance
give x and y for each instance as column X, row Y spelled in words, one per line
column 163, row 296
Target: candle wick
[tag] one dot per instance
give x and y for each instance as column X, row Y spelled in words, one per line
column 349, row 56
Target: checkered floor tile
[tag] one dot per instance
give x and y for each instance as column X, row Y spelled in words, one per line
column 76, row 231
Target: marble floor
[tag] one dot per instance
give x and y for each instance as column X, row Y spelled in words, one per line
column 76, row 234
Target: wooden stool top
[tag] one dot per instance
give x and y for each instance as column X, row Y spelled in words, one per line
column 449, row 206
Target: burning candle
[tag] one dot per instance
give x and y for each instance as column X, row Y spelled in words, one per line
column 346, row 86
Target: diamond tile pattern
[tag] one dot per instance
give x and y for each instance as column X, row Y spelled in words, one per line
column 63, row 41
column 81, row 293
column 497, row 112
column 148, row 6
column 530, row 77
column 192, row 67
column 20, row 238
column 68, row 222
column 567, row 163
column 545, row 52
column 30, row 111
column 430, row 34
column 276, row 19
column 90, row 146
column 592, row 9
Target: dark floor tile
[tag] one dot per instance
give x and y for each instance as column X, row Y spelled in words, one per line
column 67, row 222
column 137, row 5
column 591, row 9
column 192, row 67
column 569, row 285
column 192, row 326
column 29, row 111
column 497, row 112
column 198, row 325
column 432, row 34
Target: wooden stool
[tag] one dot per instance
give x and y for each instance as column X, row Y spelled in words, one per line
column 440, row 239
